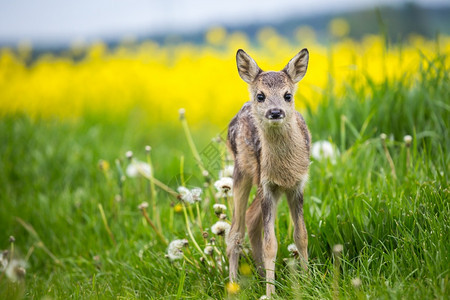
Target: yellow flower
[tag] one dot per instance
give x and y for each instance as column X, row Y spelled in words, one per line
column 245, row 269
column 233, row 288
column 178, row 208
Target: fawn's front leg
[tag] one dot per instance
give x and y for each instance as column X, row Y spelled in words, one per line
column 241, row 190
column 270, row 245
column 295, row 200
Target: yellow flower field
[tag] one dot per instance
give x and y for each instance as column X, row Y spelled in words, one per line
column 160, row 79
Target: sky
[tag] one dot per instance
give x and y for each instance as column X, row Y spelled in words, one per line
column 56, row 21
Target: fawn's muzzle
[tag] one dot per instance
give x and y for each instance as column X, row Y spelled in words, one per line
column 275, row 114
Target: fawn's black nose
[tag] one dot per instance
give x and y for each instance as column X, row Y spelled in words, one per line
column 275, row 114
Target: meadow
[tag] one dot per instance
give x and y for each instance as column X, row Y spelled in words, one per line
column 90, row 220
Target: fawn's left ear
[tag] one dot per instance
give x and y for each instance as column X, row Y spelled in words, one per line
column 296, row 67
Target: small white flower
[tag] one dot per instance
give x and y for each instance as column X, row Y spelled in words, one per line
column 324, row 150
column 263, row 297
column 136, row 168
column 175, row 249
column 221, row 228
column 148, row 148
column 219, row 208
column 227, row 171
column 16, row 270
column 209, row 250
column 224, row 187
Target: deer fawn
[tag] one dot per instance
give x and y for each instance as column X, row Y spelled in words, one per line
column 270, row 143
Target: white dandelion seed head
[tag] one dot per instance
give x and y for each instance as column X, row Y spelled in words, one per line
column 196, row 194
column 209, row 250
column 383, row 136
column 205, row 173
column 185, row 194
column 224, row 187
column 407, row 139
column 16, row 270
column 219, row 208
column 3, row 260
column 227, row 171
column 143, row 205
column 136, row 168
column 324, row 150
column 148, row 148
column 129, row 154
column 223, row 217
column 175, row 249
column 292, row 248
column 338, row 248
column 221, row 228
column 181, row 113
column 356, row 282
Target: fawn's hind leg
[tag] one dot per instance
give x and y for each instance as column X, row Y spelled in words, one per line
column 241, row 189
column 254, row 227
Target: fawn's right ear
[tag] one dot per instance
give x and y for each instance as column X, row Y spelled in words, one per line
column 247, row 67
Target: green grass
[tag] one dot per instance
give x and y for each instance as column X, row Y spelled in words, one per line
column 395, row 231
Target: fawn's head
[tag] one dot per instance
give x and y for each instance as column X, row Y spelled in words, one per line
column 272, row 93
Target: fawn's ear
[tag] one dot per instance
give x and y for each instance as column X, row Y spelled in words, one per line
column 296, row 67
column 247, row 67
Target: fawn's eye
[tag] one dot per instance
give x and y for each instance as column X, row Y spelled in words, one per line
column 288, row 97
column 260, row 97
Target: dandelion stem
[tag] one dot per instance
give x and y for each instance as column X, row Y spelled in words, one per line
column 199, row 217
column 158, row 232
column 153, row 192
column 190, row 233
column 105, row 222
column 389, row 158
column 192, row 144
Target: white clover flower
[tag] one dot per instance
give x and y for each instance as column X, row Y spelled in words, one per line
column 209, row 250
column 224, row 187
column 196, row 194
column 324, row 150
column 136, row 168
column 221, row 228
column 16, row 270
column 219, row 208
column 174, row 251
column 227, row 171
